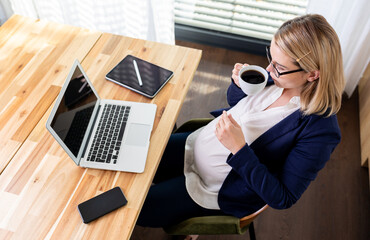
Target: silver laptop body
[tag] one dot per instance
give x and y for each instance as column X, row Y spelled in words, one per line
column 89, row 128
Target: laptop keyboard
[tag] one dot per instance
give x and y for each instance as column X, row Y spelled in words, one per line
column 108, row 138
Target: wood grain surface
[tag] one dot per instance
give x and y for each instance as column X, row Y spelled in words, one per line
column 33, row 55
column 364, row 102
column 364, row 112
column 40, row 186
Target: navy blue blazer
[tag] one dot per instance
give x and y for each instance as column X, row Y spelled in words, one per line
column 279, row 165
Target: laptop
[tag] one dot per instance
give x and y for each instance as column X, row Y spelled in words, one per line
column 97, row 133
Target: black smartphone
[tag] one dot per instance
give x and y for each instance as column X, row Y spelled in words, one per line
column 102, row 204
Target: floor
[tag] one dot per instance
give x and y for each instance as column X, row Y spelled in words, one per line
column 335, row 206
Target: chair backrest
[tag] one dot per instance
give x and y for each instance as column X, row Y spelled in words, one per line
column 213, row 225
column 245, row 221
column 193, row 124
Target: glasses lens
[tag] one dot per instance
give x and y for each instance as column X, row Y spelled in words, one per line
column 268, row 54
column 276, row 72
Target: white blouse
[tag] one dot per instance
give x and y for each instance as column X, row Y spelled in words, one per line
column 205, row 157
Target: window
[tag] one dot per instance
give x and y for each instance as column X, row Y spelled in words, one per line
column 253, row 19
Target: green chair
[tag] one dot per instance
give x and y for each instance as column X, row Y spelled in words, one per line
column 192, row 125
column 211, row 225
column 215, row 225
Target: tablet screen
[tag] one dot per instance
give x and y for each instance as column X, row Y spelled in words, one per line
column 153, row 77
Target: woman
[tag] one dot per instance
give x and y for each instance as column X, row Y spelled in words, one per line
column 265, row 149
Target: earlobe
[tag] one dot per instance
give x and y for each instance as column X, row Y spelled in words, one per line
column 314, row 75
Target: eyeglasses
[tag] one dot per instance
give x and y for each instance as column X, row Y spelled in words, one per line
column 276, row 72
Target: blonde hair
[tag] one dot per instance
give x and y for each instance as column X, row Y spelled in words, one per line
column 314, row 45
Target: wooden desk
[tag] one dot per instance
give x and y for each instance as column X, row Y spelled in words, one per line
column 33, row 55
column 40, row 186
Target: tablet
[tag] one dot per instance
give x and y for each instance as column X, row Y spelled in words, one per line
column 144, row 78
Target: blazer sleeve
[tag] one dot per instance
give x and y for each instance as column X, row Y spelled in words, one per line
column 312, row 149
column 234, row 94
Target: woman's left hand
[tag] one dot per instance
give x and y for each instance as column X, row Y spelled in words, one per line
column 229, row 133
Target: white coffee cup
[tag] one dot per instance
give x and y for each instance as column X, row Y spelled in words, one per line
column 252, row 87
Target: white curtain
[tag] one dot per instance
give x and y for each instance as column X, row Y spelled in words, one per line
column 2, row 15
column 145, row 19
column 351, row 21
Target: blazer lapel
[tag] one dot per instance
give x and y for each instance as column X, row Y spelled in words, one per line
column 286, row 125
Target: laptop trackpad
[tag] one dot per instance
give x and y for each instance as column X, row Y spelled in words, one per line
column 138, row 135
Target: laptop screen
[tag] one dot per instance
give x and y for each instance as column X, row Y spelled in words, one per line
column 74, row 112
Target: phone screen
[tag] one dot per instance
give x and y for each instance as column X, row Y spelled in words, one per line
column 102, row 204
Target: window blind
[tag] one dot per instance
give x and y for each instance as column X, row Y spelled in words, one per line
column 252, row 18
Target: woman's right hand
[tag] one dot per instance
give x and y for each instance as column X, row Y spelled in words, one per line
column 236, row 70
